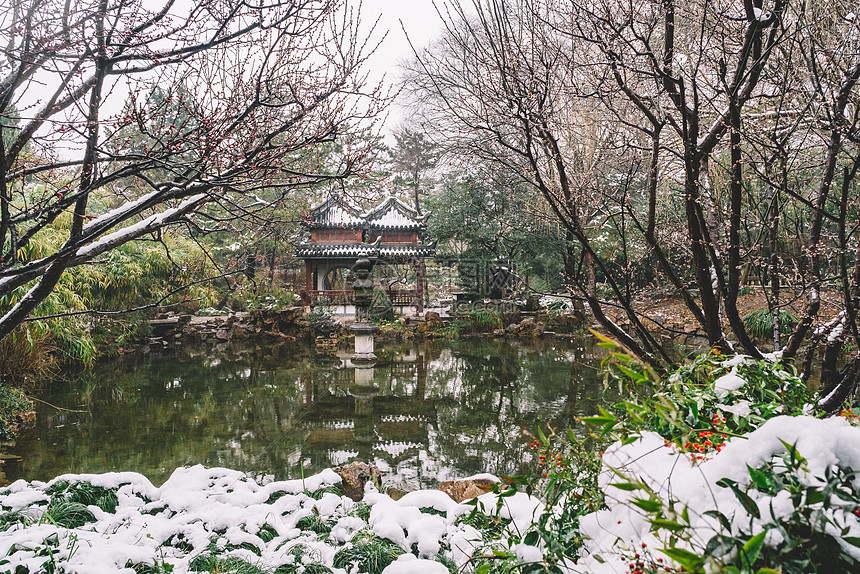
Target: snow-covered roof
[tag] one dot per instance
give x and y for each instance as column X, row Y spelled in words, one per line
column 390, row 214
column 334, row 212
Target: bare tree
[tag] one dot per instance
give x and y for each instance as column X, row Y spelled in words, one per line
column 736, row 112
column 248, row 91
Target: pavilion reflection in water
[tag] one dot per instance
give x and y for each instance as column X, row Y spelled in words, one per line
column 379, row 414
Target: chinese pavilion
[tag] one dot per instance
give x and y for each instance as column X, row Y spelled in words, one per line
column 391, row 233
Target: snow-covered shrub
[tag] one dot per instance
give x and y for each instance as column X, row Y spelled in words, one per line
column 702, row 403
column 784, row 498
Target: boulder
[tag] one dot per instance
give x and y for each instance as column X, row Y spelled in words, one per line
column 461, row 490
column 432, row 318
column 355, row 475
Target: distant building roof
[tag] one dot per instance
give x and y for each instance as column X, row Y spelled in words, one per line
column 394, row 214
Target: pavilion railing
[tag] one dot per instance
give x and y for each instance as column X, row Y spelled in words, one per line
column 347, row 297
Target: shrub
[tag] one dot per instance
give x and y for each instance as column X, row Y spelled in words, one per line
column 367, row 552
column 84, row 493
column 760, row 323
column 690, row 408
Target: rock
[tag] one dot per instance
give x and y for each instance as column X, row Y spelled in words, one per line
column 432, row 318
column 461, row 490
column 222, row 334
column 399, row 491
column 529, row 327
column 566, row 322
column 355, row 475
column 499, row 332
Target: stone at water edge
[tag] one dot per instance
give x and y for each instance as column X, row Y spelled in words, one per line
column 461, row 490
column 355, row 475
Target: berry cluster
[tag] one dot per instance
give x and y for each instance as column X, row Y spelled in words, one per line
column 644, row 563
column 546, row 460
column 714, row 441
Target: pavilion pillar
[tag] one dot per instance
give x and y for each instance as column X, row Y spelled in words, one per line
column 309, row 281
column 420, row 272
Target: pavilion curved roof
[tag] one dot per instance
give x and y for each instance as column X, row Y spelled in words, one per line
column 335, row 213
column 394, row 214
column 397, row 252
column 390, row 214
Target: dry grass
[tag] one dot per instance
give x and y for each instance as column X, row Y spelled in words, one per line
column 26, row 359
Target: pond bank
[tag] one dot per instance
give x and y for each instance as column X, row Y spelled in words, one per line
column 297, row 323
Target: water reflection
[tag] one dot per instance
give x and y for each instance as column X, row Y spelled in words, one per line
column 424, row 413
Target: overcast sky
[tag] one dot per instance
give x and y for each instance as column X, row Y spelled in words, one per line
column 421, row 23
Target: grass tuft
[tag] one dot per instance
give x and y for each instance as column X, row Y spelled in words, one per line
column 760, row 323
column 369, row 553
column 67, row 514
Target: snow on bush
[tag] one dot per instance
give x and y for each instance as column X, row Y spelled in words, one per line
column 659, row 501
column 220, row 520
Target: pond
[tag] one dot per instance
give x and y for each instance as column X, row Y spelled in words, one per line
column 427, row 412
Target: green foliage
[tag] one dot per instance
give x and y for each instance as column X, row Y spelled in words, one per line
column 316, row 523
column 210, row 562
column 485, row 214
column 565, row 477
column 367, row 552
column 265, row 298
column 322, row 321
column 361, row 510
column 312, row 568
column 84, row 493
column 267, row 533
column 156, row 567
column 67, row 514
column 760, row 323
column 808, row 536
column 13, row 404
column 811, row 530
column 26, row 357
column 13, row 518
column 686, row 409
column 807, row 532
column 131, row 275
column 470, row 320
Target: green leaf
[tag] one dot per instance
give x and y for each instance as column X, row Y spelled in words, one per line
column 724, row 521
column 542, row 437
column 626, row 486
column 767, row 571
column 690, row 561
column 852, row 540
column 633, row 375
column 667, row 524
column 720, row 545
column 648, row 505
column 752, row 548
column 748, row 503
column 760, row 479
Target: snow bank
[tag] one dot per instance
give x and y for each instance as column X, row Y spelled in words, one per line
column 613, row 535
column 200, row 509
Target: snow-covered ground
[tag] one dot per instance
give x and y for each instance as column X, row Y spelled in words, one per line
column 223, row 512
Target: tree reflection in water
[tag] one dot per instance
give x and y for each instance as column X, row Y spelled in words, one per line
column 431, row 411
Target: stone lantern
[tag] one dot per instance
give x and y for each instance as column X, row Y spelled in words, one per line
column 363, row 327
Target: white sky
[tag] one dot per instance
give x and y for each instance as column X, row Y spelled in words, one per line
column 421, row 22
